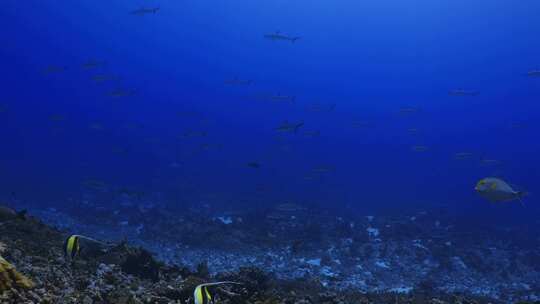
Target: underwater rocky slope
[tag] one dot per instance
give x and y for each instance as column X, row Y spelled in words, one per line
column 284, row 255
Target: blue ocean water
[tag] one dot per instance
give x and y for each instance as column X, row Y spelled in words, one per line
column 182, row 134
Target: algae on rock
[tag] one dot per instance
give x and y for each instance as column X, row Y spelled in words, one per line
column 11, row 278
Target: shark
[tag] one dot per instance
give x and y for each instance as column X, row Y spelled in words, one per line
column 238, row 81
column 462, row 92
column 279, row 36
column 289, row 127
column 534, row 73
column 145, row 10
column 280, row 97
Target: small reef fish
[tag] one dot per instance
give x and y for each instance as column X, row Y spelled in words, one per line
column 419, row 148
column 534, row 73
column 254, row 165
column 289, row 127
column 497, row 190
column 201, row 295
column 412, row 130
column 279, row 36
column 462, row 92
column 3, row 109
column 237, row 81
column 72, row 245
column 144, row 11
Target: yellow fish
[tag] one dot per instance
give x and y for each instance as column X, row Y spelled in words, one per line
column 203, row 296
column 72, row 246
column 497, row 190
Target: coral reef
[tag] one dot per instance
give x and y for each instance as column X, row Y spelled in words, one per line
column 346, row 272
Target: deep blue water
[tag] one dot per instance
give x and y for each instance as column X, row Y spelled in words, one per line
column 369, row 58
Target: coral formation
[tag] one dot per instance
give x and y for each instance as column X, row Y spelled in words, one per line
column 128, row 274
column 10, row 278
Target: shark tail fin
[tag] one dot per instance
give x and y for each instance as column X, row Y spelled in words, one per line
column 293, row 40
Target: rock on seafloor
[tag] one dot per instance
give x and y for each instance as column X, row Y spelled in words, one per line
column 126, row 274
